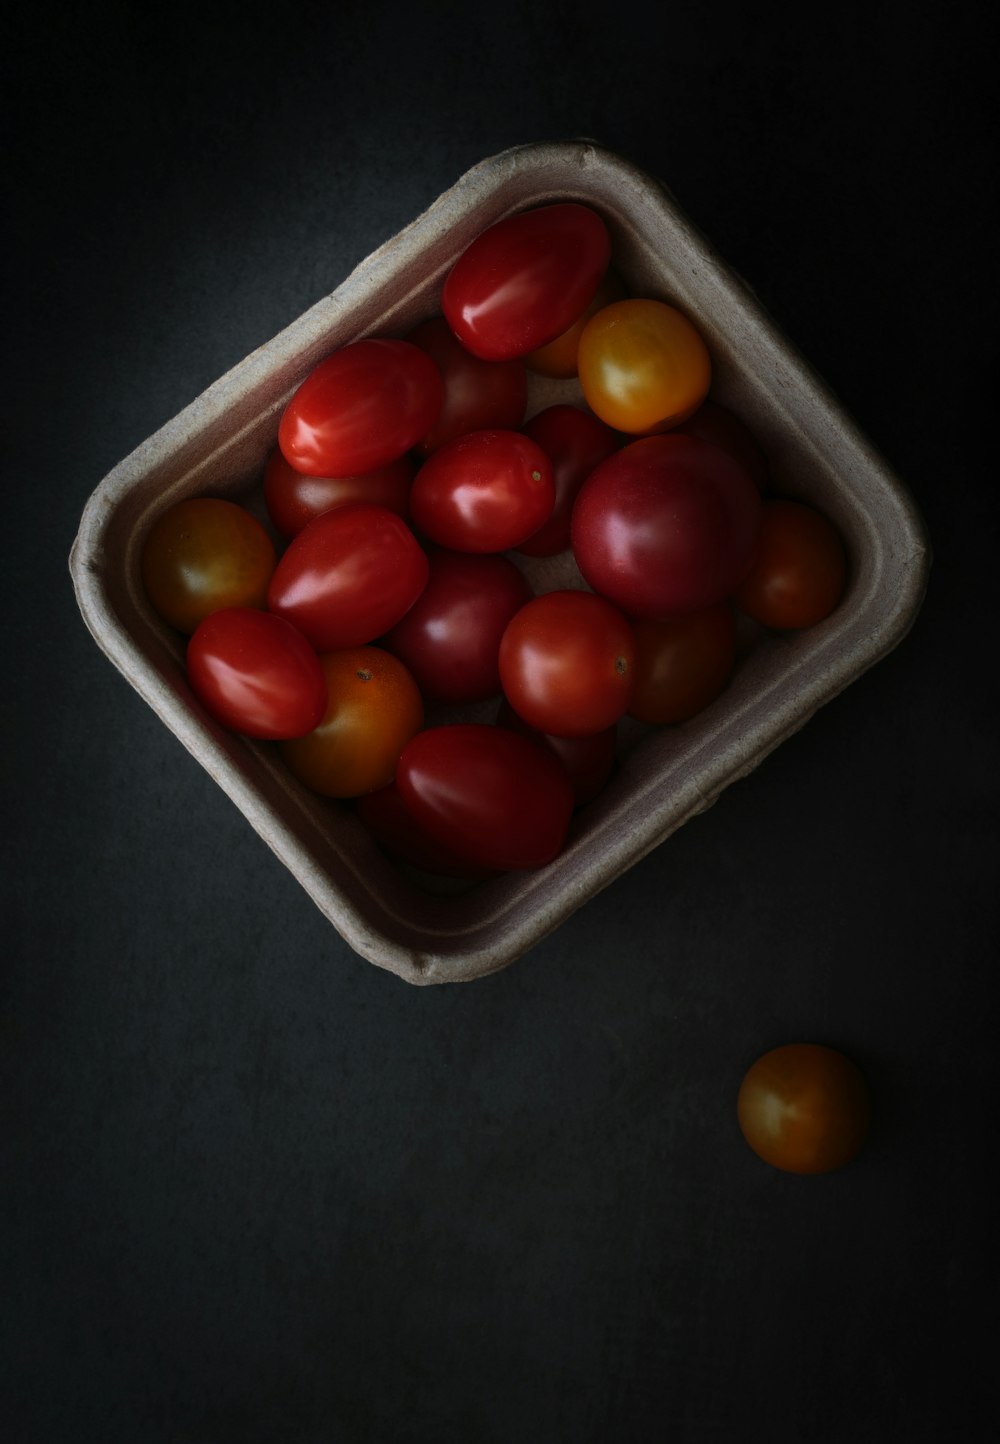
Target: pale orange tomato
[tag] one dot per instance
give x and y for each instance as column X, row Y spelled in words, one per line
column 643, row 366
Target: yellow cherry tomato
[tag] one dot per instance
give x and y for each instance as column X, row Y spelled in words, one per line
column 643, row 366
column 558, row 358
column 203, row 555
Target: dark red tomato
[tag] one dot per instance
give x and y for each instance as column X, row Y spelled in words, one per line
column 682, row 663
column 799, row 569
column 478, row 395
column 293, row 500
column 486, row 492
column 501, row 800
column 348, row 576
column 204, row 554
column 666, row 525
column 712, row 422
column 256, row 674
column 450, row 637
column 361, row 408
column 804, row 1108
column 390, row 821
column 525, row 281
column 566, row 664
column 575, row 442
column 589, row 761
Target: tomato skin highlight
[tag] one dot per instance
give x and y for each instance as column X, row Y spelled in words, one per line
column 486, row 492
column 643, row 366
column 256, row 674
column 804, row 1108
column 500, row 799
column 799, row 569
column 682, row 663
column 478, row 395
column 361, row 408
column 203, row 555
column 294, row 500
column 525, row 280
column 575, row 442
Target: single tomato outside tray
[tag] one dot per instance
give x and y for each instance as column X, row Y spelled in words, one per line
column 220, row 445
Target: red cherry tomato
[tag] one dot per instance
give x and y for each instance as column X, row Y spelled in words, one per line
column 559, row 358
column 666, row 525
column 643, row 366
column 682, row 663
column 589, row 761
column 501, row 800
column 486, row 492
column 388, row 818
column 575, row 442
column 566, row 663
column 478, row 395
column 293, row 500
column 256, row 674
column 361, row 408
column 804, row 1108
column 712, row 422
column 450, row 637
column 523, row 282
column 799, row 569
column 202, row 555
column 348, row 576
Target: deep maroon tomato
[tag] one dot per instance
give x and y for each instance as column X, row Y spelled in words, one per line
column 804, row 1108
column 501, row 800
column 349, row 576
column 799, row 569
column 478, row 395
column 294, row 500
column 682, row 663
column 589, row 761
column 361, row 408
column 712, row 422
column 393, row 825
column 450, row 637
column 666, row 525
column 575, row 442
column 204, row 554
column 566, row 663
column 486, row 492
column 256, row 674
column 524, row 281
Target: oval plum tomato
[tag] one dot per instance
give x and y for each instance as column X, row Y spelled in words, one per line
column 566, row 663
column 643, row 366
column 524, row 281
column 804, row 1108
column 558, row 359
column 668, row 524
column 293, row 500
column 394, row 827
column 589, row 761
column 799, row 569
column 348, row 576
column 372, row 711
column 501, row 800
column 361, row 408
column 256, row 674
column 485, row 492
column 712, row 422
column 575, row 442
column 202, row 555
column 478, row 395
column 682, row 663
column 450, row 637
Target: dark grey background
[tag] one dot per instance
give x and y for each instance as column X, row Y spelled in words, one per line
column 258, row 1190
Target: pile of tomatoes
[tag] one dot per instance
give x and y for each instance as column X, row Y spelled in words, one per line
column 404, row 478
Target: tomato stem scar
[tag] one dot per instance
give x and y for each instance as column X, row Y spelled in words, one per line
column 364, row 675
column 621, row 665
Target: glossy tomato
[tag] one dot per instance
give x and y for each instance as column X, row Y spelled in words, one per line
column 575, row 442
column 643, row 366
column 361, row 408
column 804, row 1108
column 715, row 423
column 478, row 395
column 589, row 761
column 294, row 500
column 799, row 569
column 668, row 524
column 566, row 663
column 349, row 576
column 486, row 492
column 256, row 674
column 393, row 825
column 202, row 555
column 682, row 663
column 372, row 711
column 450, row 637
column 524, row 281
column 501, row 800
column 559, row 358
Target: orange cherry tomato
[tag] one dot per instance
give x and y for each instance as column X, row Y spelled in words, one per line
column 558, row 358
column 800, row 569
column 804, row 1108
column 373, row 709
column 203, row 555
column 643, row 366
column 682, row 663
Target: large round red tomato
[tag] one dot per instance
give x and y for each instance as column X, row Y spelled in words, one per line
column 799, row 569
column 450, row 637
column 256, row 674
column 361, row 408
column 524, row 281
column 500, row 799
column 666, row 525
column 202, row 555
column 575, row 442
column 485, row 492
column 349, row 576
column 478, row 395
column 804, row 1108
column 293, row 500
